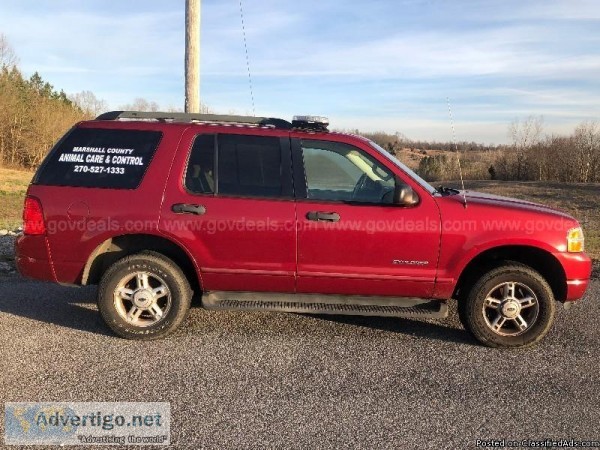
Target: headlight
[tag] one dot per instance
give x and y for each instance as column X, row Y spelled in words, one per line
column 575, row 240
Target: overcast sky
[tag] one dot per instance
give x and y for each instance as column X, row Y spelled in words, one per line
column 373, row 65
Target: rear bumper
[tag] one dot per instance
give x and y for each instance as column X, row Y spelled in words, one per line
column 578, row 270
column 32, row 258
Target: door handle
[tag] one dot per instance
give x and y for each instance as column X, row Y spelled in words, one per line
column 187, row 208
column 318, row 216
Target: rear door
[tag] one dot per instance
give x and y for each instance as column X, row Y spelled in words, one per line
column 229, row 201
column 351, row 238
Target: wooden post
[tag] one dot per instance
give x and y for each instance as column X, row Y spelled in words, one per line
column 192, row 56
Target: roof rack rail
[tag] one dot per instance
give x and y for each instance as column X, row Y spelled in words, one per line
column 208, row 118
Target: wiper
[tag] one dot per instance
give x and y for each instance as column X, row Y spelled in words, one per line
column 447, row 190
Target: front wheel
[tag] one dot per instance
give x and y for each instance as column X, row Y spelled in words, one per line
column 144, row 296
column 510, row 306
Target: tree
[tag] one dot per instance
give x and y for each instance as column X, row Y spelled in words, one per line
column 586, row 156
column 524, row 135
column 33, row 115
column 8, row 57
column 141, row 104
column 89, row 103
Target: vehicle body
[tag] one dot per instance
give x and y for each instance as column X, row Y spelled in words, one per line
column 261, row 214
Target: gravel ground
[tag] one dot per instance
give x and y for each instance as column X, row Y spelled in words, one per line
column 7, row 246
column 250, row 380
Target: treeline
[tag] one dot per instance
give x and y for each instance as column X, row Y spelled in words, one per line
column 530, row 156
column 462, row 146
column 397, row 141
column 574, row 158
column 33, row 116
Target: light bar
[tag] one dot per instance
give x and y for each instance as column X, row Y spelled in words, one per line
column 310, row 122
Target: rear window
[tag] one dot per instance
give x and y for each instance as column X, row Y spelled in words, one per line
column 100, row 158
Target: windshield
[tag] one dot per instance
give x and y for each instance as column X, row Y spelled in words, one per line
column 404, row 168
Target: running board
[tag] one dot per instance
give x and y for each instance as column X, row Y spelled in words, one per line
column 326, row 304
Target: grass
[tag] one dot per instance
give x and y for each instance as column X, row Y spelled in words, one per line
column 13, row 185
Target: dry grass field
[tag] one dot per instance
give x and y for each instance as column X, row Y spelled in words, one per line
column 13, row 185
column 580, row 200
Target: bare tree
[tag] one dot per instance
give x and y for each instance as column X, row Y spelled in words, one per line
column 141, row 104
column 89, row 103
column 524, row 135
column 586, row 155
column 203, row 109
column 8, row 57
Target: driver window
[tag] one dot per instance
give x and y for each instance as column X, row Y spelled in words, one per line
column 341, row 172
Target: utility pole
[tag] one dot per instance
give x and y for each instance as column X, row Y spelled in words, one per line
column 192, row 56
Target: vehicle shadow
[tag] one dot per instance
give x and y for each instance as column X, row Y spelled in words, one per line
column 68, row 307
column 75, row 308
column 417, row 328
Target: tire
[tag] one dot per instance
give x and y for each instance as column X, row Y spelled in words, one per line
column 509, row 306
column 144, row 296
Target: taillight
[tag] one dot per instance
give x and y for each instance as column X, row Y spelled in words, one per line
column 33, row 217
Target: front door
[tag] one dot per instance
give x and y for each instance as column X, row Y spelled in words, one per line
column 352, row 239
column 229, row 201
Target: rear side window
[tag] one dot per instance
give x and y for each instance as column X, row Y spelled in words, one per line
column 248, row 166
column 100, row 158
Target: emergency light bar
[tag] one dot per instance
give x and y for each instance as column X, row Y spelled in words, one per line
column 310, row 123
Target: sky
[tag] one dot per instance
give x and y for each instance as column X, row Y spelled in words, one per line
column 370, row 65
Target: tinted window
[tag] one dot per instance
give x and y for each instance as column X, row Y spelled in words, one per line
column 92, row 157
column 200, row 172
column 249, row 166
column 341, row 172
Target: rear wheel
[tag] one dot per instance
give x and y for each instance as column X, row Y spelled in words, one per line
column 510, row 306
column 144, row 296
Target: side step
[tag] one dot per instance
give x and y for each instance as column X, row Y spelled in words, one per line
column 326, row 304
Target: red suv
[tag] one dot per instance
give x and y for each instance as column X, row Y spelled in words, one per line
column 263, row 214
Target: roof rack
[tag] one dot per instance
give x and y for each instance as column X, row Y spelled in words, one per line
column 207, row 118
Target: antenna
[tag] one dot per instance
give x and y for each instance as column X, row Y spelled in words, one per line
column 462, row 181
column 247, row 58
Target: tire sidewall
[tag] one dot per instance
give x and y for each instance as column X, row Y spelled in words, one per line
column 153, row 265
column 533, row 281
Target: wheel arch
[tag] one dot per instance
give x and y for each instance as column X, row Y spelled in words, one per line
column 118, row 247
column 538, row 259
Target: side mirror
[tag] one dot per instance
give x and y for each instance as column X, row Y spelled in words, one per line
column 404, row 195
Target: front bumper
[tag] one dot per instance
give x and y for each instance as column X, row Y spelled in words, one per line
column 576, row 289
column 578, row 270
